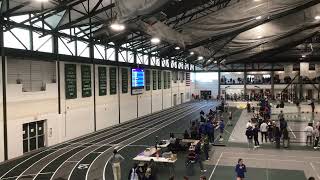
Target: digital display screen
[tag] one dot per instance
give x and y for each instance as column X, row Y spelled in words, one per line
column 137, row 80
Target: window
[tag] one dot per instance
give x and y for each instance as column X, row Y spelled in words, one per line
column 147, row 80
column 33, row 75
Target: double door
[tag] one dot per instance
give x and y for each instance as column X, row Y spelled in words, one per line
column 33, row 136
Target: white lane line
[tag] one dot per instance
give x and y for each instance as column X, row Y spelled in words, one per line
column 292, row 132
column 216, row 165
column 178, row 119
column 267, row 172
column 267, row 155
column 24, row 176
column 315, row 171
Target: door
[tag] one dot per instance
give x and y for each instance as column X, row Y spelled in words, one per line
column 182, row 97
column 33, row 136
column 174, row 100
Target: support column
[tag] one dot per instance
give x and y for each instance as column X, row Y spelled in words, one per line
column 272, row 82
column 219, row 80
column 4, row 93
column 245, row 81
column 300, row 85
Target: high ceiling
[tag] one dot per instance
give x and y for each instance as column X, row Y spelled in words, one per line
column 227, row 31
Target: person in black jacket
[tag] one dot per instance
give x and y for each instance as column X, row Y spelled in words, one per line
column 249, row 134
column 256, row 136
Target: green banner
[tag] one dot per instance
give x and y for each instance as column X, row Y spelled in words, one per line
column 154, row 80
column 124, row 80
column 70, row 76
column 159, row 80
column 102, row 75
column 148, row 80
column 113, row 80
column 169, row 80
column 86, row 80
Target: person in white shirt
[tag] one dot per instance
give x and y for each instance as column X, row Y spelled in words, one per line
column 249, row 124
column 264, row 131
column 309, row 132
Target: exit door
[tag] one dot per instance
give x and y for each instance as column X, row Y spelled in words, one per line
column 33, row 136
column 182, row 97
column 174, row 100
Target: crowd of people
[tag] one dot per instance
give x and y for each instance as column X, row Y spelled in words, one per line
column 275, row 130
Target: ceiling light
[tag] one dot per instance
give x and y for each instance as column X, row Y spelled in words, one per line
column 215, row 62
column 259, row 17
column 117, row 27
column 155, row 40
column 191, row 53
column 259, row 37
column 177, row 48
column 303, row 56
column 317, row 18
column 200, row 58
column 42, row 0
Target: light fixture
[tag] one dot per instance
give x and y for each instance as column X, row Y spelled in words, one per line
column 200, row 58
column 259, row 37
column 259, row 17
column 317, row 18
column 215, row 62
column 177, row 48
column 191, row 53
column 117, row 27
column 42, row 0
column 303, row 56
column 155, row 40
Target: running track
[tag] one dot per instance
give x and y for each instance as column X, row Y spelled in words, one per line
column 86, row 158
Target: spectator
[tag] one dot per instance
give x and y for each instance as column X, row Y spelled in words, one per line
column 133, row 174
column 249, row 134
column 277, row 136
column 221, row 128
column 210, row 131
column 309, row 130
column 248, row 107
column 312, row 105
column 151, row 171
column 203, row 178
column 256, row 136
column 186, row 135
column 316, row 134
column 281, row 116
column 199, row 157
column 115, row 160
column 264, row 131
column 249, row 124
column 230, row 119
column 270, row 131
column 193, row 131
column 283, row 125
column 240, row 169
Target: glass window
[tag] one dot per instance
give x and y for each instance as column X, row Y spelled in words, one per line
column 83, row 49
column 159, row 80
column 66, row 47
column 99, row 52
column 111, row 54
column 43, row 44
column 17, row 38
column 147, row 80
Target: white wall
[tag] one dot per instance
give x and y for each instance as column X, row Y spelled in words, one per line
column 77, row 115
